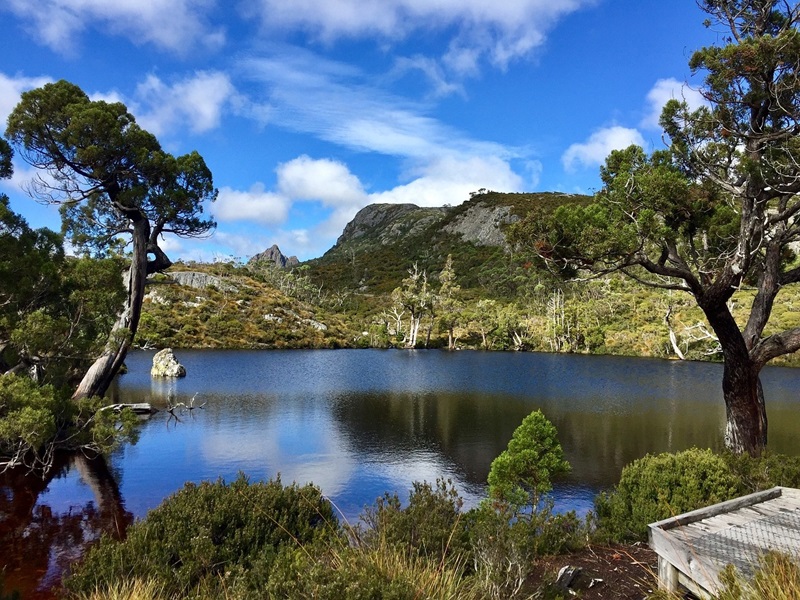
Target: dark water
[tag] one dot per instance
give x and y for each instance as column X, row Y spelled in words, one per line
column 361, row 422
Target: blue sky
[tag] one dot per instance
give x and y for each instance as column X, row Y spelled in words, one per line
column 308, row 110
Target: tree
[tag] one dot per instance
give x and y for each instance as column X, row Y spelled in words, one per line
column 415, row 297
column 450, row 305
column 719, row 210
column 523, row 472
column 111, row 179
column 54, row 310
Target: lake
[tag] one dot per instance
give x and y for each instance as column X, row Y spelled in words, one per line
column 359, row 423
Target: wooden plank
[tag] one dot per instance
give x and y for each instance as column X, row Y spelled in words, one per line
column 716, row 509
column 791, row 493
column 667, row 575
column 699, row 544
column 684, row 559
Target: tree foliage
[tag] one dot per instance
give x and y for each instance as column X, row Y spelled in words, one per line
column 523, row 472
column 114, row 184
column 718, row 209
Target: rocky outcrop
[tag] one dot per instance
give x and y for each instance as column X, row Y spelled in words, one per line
column 166, row 365
column 201, row 281
column 482, row 224
column 274, row 256
column 389, row 223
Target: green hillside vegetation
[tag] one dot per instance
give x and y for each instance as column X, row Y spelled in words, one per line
column 241, row 308
column 377, row 260
column 499, row 297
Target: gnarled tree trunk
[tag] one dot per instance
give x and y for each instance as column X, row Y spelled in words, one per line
column 745, row 411
column 102, row 372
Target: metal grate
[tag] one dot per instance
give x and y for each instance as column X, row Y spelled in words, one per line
column 742, row 544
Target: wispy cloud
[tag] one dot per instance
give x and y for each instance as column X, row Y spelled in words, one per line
column 337, row 103
column 498, row 31
column 175, row 25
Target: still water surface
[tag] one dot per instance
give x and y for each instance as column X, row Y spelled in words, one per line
column 359, row 423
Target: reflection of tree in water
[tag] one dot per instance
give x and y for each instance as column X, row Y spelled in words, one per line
column 40, row 543
column 468, row 430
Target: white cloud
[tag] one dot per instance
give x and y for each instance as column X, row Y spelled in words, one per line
column 663, row 91
column 450, row 180
column 175, row 25
column 594, row 151
column 328, row 181
column 256, row 204
column 502, row 31
column 196, row 102
column 111, row 97
column 11, row 89
column 447, row 180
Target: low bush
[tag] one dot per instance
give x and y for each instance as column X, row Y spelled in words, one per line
column 430, row 525
column 37, row 420
column 765, row 471
column 212, row 535
column 505, row 544
column 380, row 571
column 656, row 487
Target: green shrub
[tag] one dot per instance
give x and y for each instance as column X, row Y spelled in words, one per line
column 212, row 534
column 431, row 525
column 765, row 471
column 656, row 487
column 516, row 524
column 522, row 473
column 35, row 421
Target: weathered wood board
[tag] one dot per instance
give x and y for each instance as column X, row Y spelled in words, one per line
column 693, row 548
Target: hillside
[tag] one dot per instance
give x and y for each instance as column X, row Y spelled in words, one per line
column 225, row 306
column 497, row 300
column 383, row 241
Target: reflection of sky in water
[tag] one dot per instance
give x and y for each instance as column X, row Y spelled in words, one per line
column 359, row 423
column 65, row 492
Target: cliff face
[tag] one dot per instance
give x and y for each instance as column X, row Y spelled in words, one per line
column 389, row 223
column 482, row 224
column 383, row 241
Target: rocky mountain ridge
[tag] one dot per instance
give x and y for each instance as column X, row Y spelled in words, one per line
column 383, row 241
column 274, row 256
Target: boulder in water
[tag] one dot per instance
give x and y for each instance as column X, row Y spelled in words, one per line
column 166, row 365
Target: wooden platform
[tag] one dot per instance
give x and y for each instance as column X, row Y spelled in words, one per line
column 693, row 548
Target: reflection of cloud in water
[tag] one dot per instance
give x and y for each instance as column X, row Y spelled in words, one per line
column 303, row 447
column 421, row 466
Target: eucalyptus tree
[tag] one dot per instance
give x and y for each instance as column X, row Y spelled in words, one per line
column 414, row 295
column 719, row 210
column 451, row 306
column 114, row 185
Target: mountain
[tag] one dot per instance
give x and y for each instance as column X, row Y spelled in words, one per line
column 275, row 256
column 383, row 241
